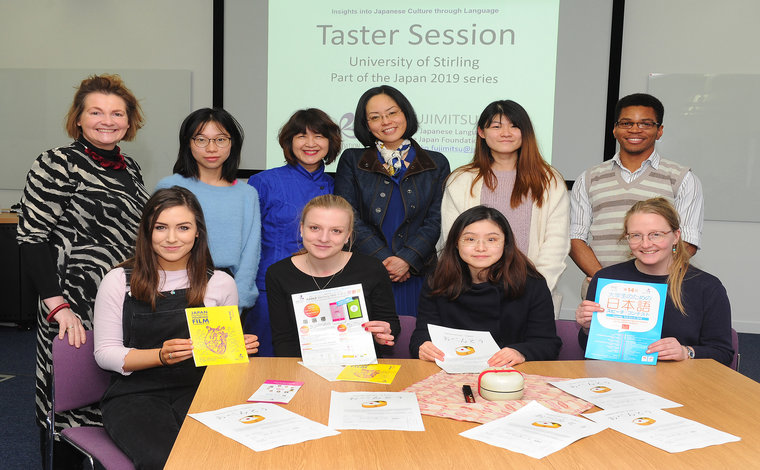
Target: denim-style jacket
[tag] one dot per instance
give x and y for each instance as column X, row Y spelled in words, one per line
column 364, row 182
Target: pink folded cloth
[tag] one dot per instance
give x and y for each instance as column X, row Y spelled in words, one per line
column 441, row 395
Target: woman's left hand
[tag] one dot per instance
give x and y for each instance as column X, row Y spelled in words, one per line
column 381, row 332
column 70, row 324
column 251, row 344
column 506, row 357
column 397, row 268
column 668, row 349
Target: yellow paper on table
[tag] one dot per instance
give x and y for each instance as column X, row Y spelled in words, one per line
column 217, row 335
column 375, row 373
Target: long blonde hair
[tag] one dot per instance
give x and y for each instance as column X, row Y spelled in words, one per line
column 330, row 201
column 680, row 262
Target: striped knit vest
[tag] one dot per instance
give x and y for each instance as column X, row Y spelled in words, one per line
column 611, row 197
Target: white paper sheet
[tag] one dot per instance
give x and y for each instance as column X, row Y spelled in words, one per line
column 534, row 430
column 465, row 351
column 330, row 326
column 610, row 394
column 397, row 411
column 328, row 372
column 263, row 426
column 661, row 429
column 276, row 391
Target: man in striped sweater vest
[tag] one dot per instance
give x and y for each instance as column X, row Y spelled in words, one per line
column 602, row 194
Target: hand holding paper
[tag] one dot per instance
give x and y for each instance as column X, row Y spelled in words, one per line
column 465, row 351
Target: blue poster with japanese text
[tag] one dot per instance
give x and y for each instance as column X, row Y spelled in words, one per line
column 630, row 322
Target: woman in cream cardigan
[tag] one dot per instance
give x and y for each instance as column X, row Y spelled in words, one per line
column 508, row 173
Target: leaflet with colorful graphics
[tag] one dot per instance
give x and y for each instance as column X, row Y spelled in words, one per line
column 397, row 411
column 330, row 326
column 276, row 391
column 217, row 335
column 610, row 394
column 373, row 373
column 661, row 429
column 534, row 430
column 263, row 426
column 465, row 351
column 630, row 322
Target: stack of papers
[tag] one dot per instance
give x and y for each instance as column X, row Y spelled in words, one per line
column 639, row 414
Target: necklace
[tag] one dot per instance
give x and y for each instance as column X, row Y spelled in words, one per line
column 311, row 268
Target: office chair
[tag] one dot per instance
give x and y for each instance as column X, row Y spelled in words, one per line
column 401, row 344
column 737, row 356
column 567, row 330
column 77, row 381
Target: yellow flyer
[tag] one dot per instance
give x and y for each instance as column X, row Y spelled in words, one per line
column 217, row 335
column 374, row 373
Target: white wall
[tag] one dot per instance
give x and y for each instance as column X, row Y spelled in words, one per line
column 107, row 35
column 687, row 36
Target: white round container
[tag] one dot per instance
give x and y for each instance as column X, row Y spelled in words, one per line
column 501, row 383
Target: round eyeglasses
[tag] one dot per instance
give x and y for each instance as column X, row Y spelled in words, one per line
column 489, row 242
column 654, row 237
column 219, row 141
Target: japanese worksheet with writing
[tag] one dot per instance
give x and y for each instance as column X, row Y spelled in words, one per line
column 534, row 430
column 630, row 322
column 661, row 429
column 330, row 326
column 465, row 351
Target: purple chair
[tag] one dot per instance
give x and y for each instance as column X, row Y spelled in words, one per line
column 401, row 346
column 567, row 330
column 737, row 356
column 78, row 382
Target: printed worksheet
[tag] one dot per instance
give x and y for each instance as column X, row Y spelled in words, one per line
column 465, row 351
column 217, row 335
column 661, row 429
column 276, row 391
column 397, row 411
column 630, row 322
column 330, row 326
column 610, row 394
column 263, row 426
column 534, row 430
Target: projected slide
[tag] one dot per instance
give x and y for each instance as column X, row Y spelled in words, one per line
column 449, row 58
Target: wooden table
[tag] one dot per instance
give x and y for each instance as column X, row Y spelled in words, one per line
column 711, row 393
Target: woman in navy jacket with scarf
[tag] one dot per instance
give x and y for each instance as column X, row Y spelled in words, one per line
column 395, row 187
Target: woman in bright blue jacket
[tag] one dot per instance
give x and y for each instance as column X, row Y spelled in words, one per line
column 309, row 140
column 395, row 188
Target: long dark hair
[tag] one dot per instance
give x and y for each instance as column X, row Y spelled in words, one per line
column 533, row 173
column 194, row 123
column 361, row 127
column 145, row 266
column 452, row 275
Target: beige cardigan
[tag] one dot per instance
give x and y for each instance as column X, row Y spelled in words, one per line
column 548, row 241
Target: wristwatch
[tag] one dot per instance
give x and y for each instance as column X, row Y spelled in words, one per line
column 690, row 352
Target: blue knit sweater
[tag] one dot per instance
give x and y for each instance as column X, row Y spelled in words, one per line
column 233, row 222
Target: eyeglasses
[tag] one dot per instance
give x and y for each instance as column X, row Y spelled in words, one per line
column 219, row 141
column 379, row 117
column 643, row 125
column 489, row 242
column 654, row 237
